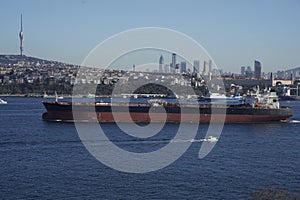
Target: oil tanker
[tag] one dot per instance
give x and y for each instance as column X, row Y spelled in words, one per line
column 253, row 109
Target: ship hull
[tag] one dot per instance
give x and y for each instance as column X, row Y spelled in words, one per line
column 170, row 114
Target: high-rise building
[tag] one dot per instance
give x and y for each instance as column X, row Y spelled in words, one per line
column 210, row 66
column 183, row 67
column 177, row 68
column 196, row 68
column 257, row 69
column 205, row 68
column 248, row 72
column 173, row 65
column 21, row 36
column 161, row 64
column 243, row 70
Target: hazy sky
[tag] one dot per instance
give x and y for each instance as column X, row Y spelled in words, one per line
column 234, row 32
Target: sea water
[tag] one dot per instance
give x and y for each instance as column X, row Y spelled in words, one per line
column 41, row 159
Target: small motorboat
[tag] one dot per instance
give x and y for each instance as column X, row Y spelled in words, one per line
column 211, row 139
column 2, row 101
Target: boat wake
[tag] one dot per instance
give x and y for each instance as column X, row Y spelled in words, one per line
column 208, row 139
column 295, row 121
column 188, row 140
column 129, row 142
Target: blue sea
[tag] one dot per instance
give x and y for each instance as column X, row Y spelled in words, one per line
column 46, row 160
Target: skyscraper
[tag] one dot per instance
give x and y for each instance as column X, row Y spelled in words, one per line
column 173, row 65
column 205, row 68
column 248, row 72
column 243, row 70
column 257, row 69
column 21, row 36
column 183, row 67
column 161, row 64
column 210, row 66
column 196, row 68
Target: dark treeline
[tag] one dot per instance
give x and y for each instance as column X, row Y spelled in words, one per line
column 67, row 89
column 23, row 88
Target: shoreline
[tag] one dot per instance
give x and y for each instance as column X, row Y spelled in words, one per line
column 33, row 95
column 13, row 95
column 47, row 97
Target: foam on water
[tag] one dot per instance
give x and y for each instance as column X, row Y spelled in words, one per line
column 295, row 121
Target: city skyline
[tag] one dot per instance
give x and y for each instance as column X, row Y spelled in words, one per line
column 266, row 31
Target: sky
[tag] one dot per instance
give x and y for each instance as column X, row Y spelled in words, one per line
column 233, row 32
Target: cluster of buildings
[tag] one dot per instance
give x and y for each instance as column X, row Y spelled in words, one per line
column 173, row 67
column 111, row 77
column 206, row 69
column 257, row 74
column 16, row 69
column 249, row 73
column 182, row 67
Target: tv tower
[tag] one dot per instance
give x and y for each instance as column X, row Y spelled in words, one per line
column 21, row 36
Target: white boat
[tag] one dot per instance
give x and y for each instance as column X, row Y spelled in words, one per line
column 2, row 101
column 211, row 139
column 222, row 97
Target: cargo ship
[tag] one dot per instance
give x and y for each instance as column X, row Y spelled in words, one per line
column 253, row 109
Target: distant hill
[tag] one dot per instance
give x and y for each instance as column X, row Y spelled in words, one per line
column 17, row 59
column 28, row 75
